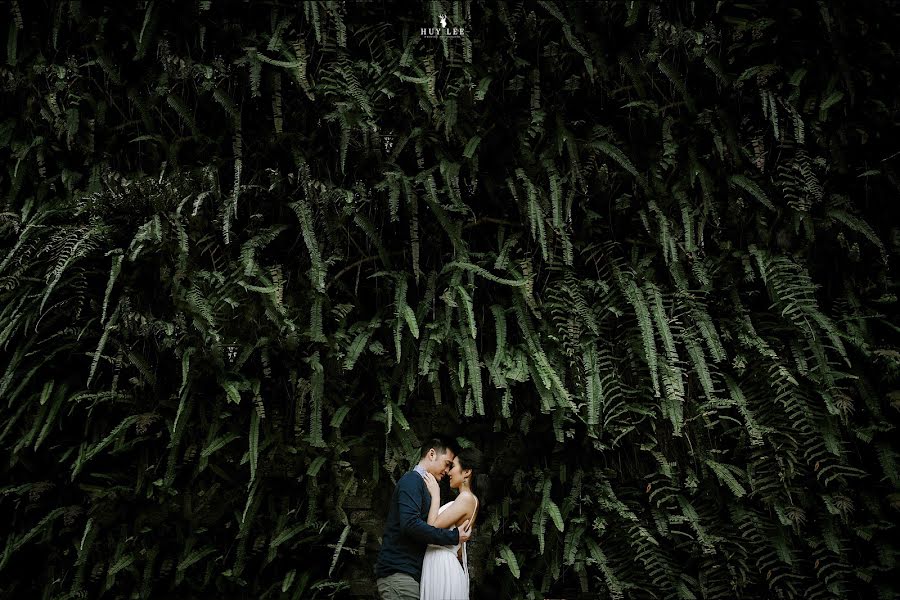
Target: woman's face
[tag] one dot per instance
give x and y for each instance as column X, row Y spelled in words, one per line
column 457, row 475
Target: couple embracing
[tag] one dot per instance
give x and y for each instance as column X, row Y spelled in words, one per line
column 423, row 550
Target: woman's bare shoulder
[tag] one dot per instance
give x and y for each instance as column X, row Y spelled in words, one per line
column 467, row 498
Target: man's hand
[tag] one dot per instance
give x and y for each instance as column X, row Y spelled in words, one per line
column 465, row 532
column 432, row 484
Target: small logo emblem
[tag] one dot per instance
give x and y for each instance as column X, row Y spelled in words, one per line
column 444, row 31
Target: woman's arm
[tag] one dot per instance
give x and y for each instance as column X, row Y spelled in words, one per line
column 435, row 491
column 462, row 507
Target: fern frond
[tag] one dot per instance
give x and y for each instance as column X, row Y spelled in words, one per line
column 728, row 475
column 510, row 559
column 484, row 273
column 337, row 549
column 113, row 273
column 636, row 298
column 414, row 231
column 400, row 307
column 671, row 378
column 662, row 323
column 467, row 310
column 594, row 387
column 473, row 368
column 753, row 188
column 317, row 393
column 95, row 449
column 698, row 360
column 623, row 161
column 859, row 226
column 110, row 326
column 253, row 445
column 76, row 244
column 317, row 268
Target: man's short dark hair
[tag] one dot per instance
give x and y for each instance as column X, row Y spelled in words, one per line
column 440, row 445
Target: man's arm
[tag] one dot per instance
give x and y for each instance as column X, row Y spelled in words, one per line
column 411, row 523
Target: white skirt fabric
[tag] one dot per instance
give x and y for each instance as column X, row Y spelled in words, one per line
column 443, row 577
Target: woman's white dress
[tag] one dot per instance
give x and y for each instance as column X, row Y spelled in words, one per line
column 443, row 577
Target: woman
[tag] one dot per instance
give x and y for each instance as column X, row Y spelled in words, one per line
column 445, row 570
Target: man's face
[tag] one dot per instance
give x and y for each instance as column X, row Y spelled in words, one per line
column 440, row 464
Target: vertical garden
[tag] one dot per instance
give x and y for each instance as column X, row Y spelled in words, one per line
column 252, row 254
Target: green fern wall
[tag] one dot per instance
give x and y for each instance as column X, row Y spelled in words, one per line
column 641, row 255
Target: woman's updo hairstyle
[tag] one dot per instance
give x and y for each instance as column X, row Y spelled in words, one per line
column 472, row 458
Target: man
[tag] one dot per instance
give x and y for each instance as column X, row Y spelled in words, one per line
column 406, row 532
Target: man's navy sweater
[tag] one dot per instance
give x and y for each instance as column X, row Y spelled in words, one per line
column 406, row 532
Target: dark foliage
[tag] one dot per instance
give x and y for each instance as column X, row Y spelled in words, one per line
column 254, row 253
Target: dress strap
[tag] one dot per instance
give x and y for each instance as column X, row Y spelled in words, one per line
column 465, row 555
column 461, row 553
